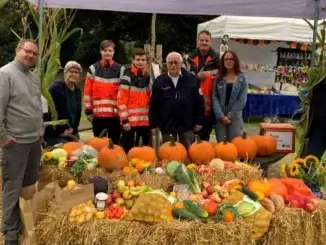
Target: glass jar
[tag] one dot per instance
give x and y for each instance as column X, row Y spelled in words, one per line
column 183, row 192
column 100, row 201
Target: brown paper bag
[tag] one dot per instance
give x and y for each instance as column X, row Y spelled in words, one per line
column 31, row 212
column 66, row 199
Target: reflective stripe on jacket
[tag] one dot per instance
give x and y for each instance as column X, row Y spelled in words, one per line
column 133, row 97
column 101, row 89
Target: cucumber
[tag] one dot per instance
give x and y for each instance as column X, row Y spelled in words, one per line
column 184, row 214
column 195, row 209
column 253, row 196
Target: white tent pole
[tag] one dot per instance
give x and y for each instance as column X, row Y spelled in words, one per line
column 40, row 36
column 314, row 37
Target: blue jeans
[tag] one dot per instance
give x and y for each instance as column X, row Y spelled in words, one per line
column 316, row 145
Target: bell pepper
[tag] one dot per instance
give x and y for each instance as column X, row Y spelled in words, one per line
column 114, row 212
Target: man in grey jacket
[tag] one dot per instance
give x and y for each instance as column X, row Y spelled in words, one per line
column 21, row 128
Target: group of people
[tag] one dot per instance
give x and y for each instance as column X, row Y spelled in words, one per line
column 122, row 104
column 125, row 105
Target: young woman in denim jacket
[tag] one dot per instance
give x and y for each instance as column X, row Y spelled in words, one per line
column 229, row 97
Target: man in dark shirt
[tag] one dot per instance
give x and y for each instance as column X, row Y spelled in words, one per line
column 315, row 143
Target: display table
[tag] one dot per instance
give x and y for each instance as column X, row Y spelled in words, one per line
column 265, row 162
column 271, row 105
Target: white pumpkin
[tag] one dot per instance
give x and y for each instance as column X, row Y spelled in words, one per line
column 217, row 163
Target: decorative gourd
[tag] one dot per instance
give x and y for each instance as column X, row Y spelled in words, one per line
column 278, row 187
column 266, row 144
column 143, row 153
column 247, row 148
column 201, row 152
column 173, row 151
column 99, row 142
column 226, row 151
column 260, row 186
column 72, row 146
column 217, row 163
column 57, row 153
column 112, row 157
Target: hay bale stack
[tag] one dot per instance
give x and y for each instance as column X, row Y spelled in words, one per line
column 49, row 173
column 57, row 230
column 296, row 226
column 156, row 181
column 245, row 175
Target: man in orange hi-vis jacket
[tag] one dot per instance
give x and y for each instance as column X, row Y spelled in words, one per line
column 133, row 102
column 101, row 91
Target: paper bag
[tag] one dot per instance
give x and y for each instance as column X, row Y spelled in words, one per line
column 31, row 212
column 66, row 199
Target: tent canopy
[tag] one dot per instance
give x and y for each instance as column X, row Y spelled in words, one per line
column 261, row 28
column 268, row 8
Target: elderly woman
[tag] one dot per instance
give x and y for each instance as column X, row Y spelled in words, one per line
column 67, row 98
column 229, row 97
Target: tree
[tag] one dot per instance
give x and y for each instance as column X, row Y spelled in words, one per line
column 56, row 29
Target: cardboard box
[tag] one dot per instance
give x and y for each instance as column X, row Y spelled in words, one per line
column 284, row 133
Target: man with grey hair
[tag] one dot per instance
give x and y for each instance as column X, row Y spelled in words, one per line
column 176, row 107
column 21, row 128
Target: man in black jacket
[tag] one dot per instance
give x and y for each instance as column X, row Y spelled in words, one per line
column 176, row 106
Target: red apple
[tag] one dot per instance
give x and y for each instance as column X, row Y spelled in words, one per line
column 210, row 190
column 206, row 184
column 309, row 207
column 204, row 193
column 116, row 195
column 109, row 201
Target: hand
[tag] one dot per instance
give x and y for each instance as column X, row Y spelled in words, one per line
column 126, row 127
column 201, row 75
column 90, row 118
column 154, row 131
column 67, row 132
column 225, row 120
column 7, row 141
column 198, row 128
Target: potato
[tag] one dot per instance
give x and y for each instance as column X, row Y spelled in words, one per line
column 268, row 205
column 278, row 201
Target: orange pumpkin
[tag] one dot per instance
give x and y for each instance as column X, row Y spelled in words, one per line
column 226, row 151
column 278, row 187
column 112, row 157
column 260, row 186
column 172, row 151
column 201, row 152
column 266, row 144
column 247, row 148
column 72, row 146
column 143, row 153
column 99, row 142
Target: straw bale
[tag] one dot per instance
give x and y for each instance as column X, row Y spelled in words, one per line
column 50, row 173
column 57, row 230
column 295, row 226
column 245, row 175
column 156, row 181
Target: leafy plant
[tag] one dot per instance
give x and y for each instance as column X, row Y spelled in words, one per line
column 315, row 74
column 3, row 3
column 56, row 29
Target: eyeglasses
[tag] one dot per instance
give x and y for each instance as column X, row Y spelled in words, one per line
column 174, row 62
column 27, row 51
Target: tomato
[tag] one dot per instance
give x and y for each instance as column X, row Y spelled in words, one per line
column 119, row 213
column 310, row 208
column 294, row 203
column 314, row 202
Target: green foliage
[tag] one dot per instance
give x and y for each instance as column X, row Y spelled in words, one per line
column 56, row 29
column 3, row 3
column 315, row 75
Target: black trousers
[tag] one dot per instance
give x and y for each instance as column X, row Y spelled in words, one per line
column 316, row 145
column 205, row 132
column 132, row 137
column 111, row 124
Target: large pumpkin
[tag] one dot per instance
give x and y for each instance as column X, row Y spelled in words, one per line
column 112, row 157
column 99, row 142
column 247, row 148
column 226, row 151
column 172, row 151
column 143, row 153
column 201, row 152
column 266, row 144
column 72, row 146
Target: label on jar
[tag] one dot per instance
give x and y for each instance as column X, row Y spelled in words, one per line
column 100, row 205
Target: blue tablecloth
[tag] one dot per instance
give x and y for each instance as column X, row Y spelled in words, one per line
column 271, row 105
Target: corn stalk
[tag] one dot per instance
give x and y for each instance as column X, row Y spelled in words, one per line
column 315, row 75
column 56, row 30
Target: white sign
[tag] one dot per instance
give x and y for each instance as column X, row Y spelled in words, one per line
column 284, row 140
